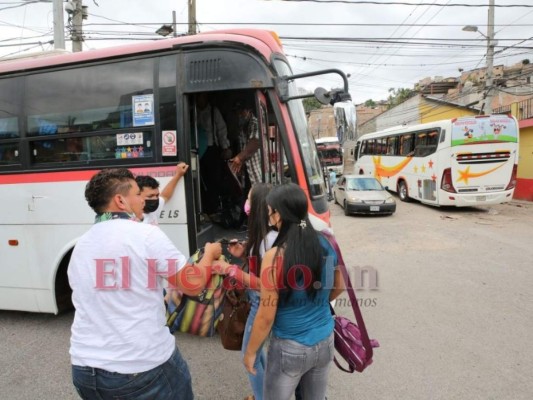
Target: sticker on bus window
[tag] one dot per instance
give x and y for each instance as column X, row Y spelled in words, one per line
column 143, row 109
column 128, row 139
column 170, row 147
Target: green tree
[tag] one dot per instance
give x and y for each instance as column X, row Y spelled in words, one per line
column 398, row 96
column 370, row 103
column 310, row 104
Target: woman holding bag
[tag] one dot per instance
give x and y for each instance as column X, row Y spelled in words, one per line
column 260, row 239
column 298, row 281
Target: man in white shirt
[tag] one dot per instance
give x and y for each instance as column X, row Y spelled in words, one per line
column 120, row 346
column 153, row 200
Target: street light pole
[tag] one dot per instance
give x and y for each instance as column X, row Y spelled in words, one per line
column 59, row 25
column 487, row 107
column 192, row 17
column 491, row 43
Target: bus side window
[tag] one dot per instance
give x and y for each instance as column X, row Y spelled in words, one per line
column 406, row 144
column 9, row 154
column 426, row 143
column 392, row 146
column 356, row 150
column 442, row 135
column 370, row 147
column 381, row 146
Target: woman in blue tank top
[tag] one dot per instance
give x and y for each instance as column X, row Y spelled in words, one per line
column 298, row 280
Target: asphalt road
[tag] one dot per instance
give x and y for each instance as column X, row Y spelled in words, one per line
column 451, row 308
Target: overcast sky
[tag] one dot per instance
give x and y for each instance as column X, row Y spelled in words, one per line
column 373, row 62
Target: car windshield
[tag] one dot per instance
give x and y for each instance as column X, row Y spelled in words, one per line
column 363, row 184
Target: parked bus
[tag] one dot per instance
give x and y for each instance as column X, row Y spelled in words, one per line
column 65, row 117
column 330, row 153
column 460, row 162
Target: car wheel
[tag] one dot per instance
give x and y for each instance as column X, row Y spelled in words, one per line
column 403, row 192
column 345, row 208
column 335, row 198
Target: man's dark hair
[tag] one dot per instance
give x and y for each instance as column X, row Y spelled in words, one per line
column 146, row 181
column 106, row 184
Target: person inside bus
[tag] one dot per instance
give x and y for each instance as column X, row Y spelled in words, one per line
column 153, row 200
column 213, row 148
column 119, row 344
column 249, row 144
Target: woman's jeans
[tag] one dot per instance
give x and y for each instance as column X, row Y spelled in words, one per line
column 169, row 381
column 256, row 381
column 290, row 363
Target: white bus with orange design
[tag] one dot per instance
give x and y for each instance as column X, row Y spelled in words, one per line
column 66, row 116
column 467, row 161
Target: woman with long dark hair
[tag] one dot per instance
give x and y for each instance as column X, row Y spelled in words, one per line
column 260, row 239
column 298, row 280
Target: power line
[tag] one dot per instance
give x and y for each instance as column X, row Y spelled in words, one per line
column 400, row 3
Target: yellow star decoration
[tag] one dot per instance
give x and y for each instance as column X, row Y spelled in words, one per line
column 423, row 168
column 466, row 174
column 416, row 169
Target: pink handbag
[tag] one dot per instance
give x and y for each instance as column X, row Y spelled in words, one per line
column 351, row 339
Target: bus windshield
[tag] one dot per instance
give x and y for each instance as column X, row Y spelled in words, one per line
column 309, row 154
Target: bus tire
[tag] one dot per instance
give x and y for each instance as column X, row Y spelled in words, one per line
column 403, row 192
column 63, row 292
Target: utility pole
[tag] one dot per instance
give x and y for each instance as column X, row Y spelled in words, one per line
column 174, row 26
column 192, row 17
column 489, row 90
column 77, row 21
column 59, row 25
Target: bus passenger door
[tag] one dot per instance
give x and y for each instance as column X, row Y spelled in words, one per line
column 272, row 156
column 262, row 121
column 203, row 228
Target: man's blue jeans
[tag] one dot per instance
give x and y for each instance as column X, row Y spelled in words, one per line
column 169, row 381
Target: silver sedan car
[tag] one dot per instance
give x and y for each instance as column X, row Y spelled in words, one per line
column 363, row 195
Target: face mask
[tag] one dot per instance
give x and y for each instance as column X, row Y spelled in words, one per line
column 247, row 207
column 150, row 205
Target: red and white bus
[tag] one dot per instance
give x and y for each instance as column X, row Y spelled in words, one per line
column 64, row 117
column 330, row 153
column 468, row 161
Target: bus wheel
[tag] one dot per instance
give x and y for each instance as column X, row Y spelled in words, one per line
column 63, row 292
column 403, row 192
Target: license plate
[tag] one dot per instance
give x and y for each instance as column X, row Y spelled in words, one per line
column 374, row 208
column 481, row 198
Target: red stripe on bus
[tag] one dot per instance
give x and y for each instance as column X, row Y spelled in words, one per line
column 75, row 176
